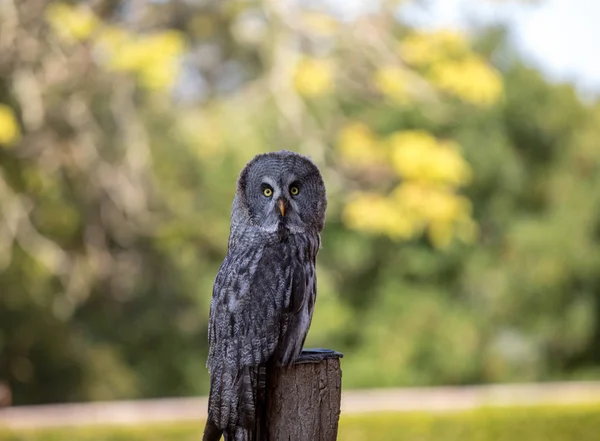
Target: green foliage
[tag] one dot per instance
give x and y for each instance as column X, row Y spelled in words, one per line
column 573, row 423
column 532, row 424
column 462, row 236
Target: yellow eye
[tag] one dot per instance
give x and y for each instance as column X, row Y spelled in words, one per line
column 268, row 192
column 294, row 191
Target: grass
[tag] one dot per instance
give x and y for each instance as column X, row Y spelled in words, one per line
column 551, row 423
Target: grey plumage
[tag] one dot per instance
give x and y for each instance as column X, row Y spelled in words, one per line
column 265, row 290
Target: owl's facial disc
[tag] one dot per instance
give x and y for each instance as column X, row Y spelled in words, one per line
column 282, row 191
column 281, row 204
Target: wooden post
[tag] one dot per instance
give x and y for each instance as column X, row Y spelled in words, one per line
column 5, row 395
column 303, row 400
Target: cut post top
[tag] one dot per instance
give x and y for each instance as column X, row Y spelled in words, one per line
column 317, row 355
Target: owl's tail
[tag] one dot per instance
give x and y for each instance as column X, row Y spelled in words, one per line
column 232, row 404
column 211, row 432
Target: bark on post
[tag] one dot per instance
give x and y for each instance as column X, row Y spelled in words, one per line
column 5, row 395
column 303, row 402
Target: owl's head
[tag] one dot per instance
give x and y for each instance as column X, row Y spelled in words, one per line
column 281, row 190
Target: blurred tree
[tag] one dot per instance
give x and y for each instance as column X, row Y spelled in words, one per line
column 461, row 243
column 91, row 298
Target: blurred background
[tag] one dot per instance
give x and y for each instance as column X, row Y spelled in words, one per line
column 460, row 145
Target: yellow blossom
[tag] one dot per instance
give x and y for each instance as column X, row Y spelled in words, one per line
column 313, row 77
column 425, row 48
column 359, row 145
column 471, row 79
column 445, row 213
column 425, row 201
column 128, row 55
column 391, row 81
column 9, row 128
column 153, row 57
column 418, row 155
column 411, row 152
column 159, row 76
column 411, row 209
column 111, row 37
column 374, row 213
column 431, row 202
column 449, row 63
column 448, row 165
column 413, row 197
column 76, row 23
column 445, row 206
column 441, row 231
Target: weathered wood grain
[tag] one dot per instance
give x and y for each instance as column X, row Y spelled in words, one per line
column 304, row 399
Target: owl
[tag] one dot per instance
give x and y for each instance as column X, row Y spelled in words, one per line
column 264, row 293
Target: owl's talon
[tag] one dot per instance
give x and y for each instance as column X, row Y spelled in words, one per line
column 316, row 355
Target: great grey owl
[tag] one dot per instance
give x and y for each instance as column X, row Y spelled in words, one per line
column 265, row 290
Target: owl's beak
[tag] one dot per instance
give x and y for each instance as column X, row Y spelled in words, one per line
column 282, row 207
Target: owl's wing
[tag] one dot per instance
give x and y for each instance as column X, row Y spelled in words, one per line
column 299, row 290
column 251, row 302
column 252, row 297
